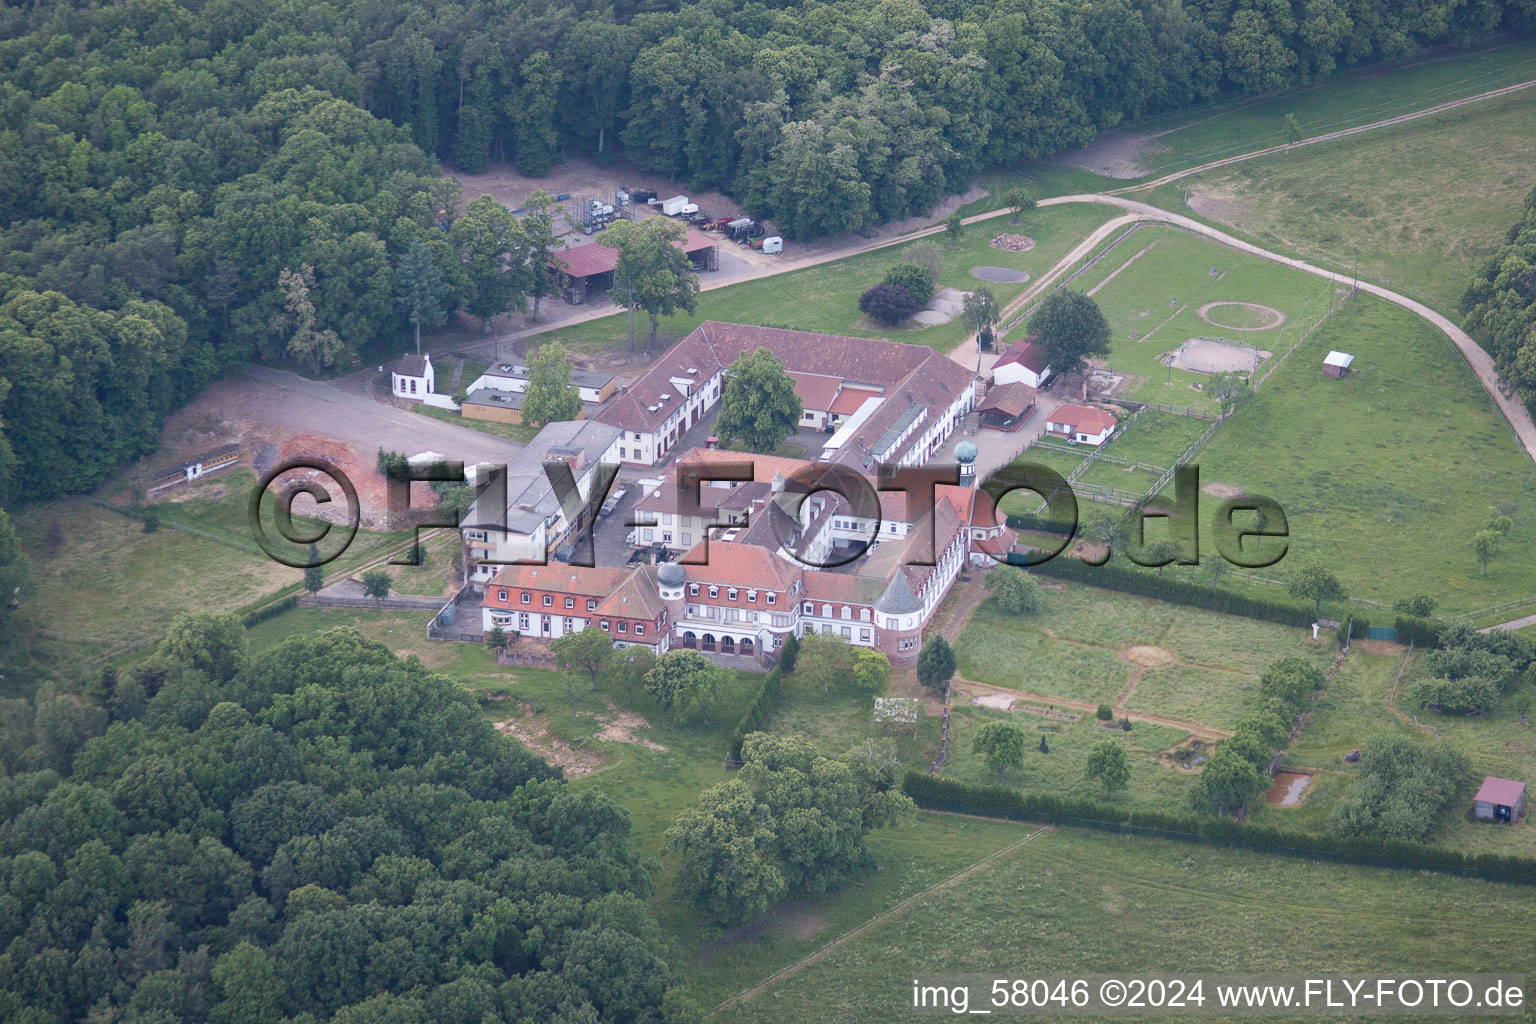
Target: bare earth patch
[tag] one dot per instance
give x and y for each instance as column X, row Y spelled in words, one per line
column 621, row 729
column 1223, row 490
column 552, row 749
column 998, row 701
column 1149, row 657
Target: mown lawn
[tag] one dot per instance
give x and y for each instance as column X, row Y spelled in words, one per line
column 826, row 297
column 1077, row 901
column 1155, row 283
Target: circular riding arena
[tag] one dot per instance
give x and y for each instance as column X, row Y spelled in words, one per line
column 1241, row 316
column 999, row 275
column 1208, row 355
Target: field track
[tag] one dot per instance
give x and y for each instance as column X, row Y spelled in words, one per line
column 813, row 957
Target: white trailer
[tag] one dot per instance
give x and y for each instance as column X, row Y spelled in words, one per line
column 674, row 206
column 773, row 244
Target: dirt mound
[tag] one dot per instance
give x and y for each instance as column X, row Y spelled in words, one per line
column 1149, row 657
column 1012, row 243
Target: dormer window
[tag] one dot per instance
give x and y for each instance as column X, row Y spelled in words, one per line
column 752, row 597
column 810, row 609
column 693, row 590
column 773, row 598
column 501, row 595
column 639, row 629
column 591, row 604
column 548, row 600
column 603, row 625
column 623, row 626
column 526, row 597
column 714, row 592
column 570, row 602
column 730, row 595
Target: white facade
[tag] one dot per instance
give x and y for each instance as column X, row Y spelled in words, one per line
column 413, row 386
column 648, row 447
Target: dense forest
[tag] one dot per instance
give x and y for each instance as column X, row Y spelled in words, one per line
column 1500, row 303
column 319, row 833
column 186, row 186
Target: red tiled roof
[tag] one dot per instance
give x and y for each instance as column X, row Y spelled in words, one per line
column 588, row 581
column 1013, row 399
column 1495, row 790
column 844, row 588
column 746, row 566
column 850, row 400
column 1083, row 418
column 1026, row 353
column 816, row 390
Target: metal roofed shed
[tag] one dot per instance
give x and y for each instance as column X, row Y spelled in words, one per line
column 592, row 265
column 1337, row 363
column 847, row 430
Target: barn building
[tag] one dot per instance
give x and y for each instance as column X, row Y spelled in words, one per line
column 1006, row 406
column 1499, row 800
column 591, row 266
column 1337, row 363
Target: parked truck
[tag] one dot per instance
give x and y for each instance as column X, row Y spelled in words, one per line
column 674, row 206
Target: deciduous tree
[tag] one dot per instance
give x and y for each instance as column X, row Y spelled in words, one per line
column 585, row 650
column 550, row 397
column 653, row 273
column 1108, row 766
column 1316, row 582
column 1069, row 328
column 1002, row 744
column 759, row 405
column 1015, row 591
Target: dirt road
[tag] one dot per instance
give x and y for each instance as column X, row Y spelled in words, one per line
column 1515, row 412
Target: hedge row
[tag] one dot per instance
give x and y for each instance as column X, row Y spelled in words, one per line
column 757, row 714
column 934, row 793
column 1417, row 631
column 1146, row 584
column 266, row 612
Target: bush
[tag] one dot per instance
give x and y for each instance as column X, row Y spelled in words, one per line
column 1419, row 632
column 926, row 255
column 266, row 612
column 887, row 304
column 151, row 522
column 1105, row 713
column 918, row 281
column 756, row 715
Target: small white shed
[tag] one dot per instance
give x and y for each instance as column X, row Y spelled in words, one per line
column 1337, row 363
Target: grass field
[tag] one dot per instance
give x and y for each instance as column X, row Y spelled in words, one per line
column 1090, row 644
column 1073, row 901
column 110, row 587
column 1354, row 96
column 1386, row 474
column 1456, row 183
column 1154, row 285
column 826, row 297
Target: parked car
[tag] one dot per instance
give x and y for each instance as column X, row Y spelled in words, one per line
column 641, row 195
column 613, row 502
